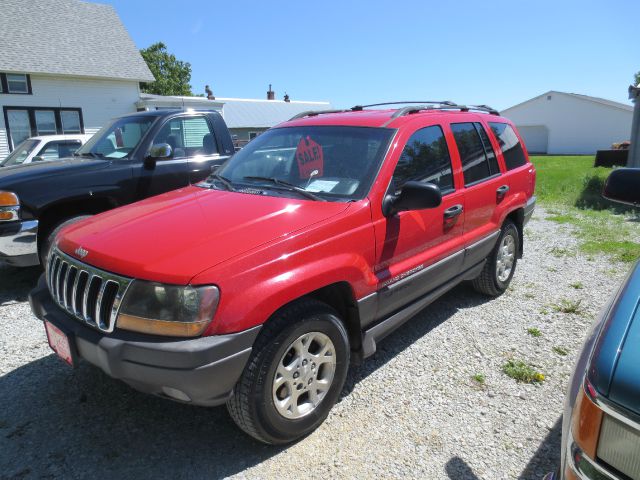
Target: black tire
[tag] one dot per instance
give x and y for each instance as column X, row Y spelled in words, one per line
column 252, row 407
column 488, row 282
column 46, row 245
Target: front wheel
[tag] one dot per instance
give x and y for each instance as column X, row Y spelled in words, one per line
column 295, row 374
column 501, row 264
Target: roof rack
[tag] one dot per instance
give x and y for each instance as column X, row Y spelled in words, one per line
column 400, row 112
column 357, row 108
column 313, row 113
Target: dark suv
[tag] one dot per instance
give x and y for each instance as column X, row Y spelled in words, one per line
column 259, row 286
column 133, row 157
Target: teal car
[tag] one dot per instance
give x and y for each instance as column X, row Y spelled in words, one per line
column 601, row 422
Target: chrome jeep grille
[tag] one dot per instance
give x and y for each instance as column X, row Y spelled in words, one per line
column 87, row 293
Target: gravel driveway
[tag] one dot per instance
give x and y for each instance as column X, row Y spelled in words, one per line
column 412, row 410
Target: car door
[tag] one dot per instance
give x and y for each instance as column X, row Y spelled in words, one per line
column 421, row 249
column 194, row 150
column 484, row 186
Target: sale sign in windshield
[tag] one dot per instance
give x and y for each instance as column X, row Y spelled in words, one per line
column 309, row 157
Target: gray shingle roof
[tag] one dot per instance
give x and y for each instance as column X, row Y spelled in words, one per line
column 247, row 113
column 67, row 37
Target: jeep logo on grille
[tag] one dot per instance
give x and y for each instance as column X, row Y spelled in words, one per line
column 81, row 252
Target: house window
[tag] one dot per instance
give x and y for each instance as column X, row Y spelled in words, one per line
column 253, row 135
column 17, row 83
column 25, row 122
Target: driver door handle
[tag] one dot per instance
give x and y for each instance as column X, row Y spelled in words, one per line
column 502, row 191
column 453, row 212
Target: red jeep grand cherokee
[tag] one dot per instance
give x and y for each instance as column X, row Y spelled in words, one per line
column 261, row 285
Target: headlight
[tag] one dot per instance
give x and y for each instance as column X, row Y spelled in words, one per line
column 9, row 206
column 168, row 310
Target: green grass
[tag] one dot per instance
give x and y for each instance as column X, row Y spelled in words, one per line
column 534, row 332
column 522, row 372
column 479, row 378
column 568, row 306
column 577, row 285
column 571, row 190
column 561, row 351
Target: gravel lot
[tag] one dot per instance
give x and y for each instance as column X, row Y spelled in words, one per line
column 412, row 410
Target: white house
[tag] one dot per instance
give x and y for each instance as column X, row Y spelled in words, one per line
column 66, row 66
column 568, row 123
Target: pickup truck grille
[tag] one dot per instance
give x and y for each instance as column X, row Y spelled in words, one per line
column 87, row 293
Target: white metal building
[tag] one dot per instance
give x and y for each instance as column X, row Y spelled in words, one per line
column 568, row 123
column 66, row 66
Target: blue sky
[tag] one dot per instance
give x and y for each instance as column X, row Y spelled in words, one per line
column 353, row 52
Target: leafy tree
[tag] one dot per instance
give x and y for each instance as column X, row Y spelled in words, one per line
column 637, row 81
column 172, row 75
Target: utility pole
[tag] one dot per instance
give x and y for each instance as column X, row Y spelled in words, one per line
column 634, row 148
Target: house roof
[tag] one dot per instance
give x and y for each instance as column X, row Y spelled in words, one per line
column 254, row 113
column 602, row 101
column 68, row 37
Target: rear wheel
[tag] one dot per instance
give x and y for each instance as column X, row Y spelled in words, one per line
column 501, row 264
column 295, row 374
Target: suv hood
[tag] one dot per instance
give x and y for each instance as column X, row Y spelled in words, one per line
column 18, row 173
column 174, row 236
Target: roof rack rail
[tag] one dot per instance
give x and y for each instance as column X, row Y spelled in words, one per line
column 313, row 113
column 443, row 106
column 358, row 108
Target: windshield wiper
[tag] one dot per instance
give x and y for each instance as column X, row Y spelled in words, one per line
column 288, row 186
column 224, row 181
column 88, row 154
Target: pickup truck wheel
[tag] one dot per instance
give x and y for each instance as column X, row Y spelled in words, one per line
column 295, row 374
column 501, row 264
column 46, row 246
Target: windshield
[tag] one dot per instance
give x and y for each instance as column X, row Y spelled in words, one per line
column 118, row 138
column 20, row 154
column 332, row 162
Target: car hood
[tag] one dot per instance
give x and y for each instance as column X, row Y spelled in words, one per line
column 19, row 173
column 615, row 364
column 174, row 236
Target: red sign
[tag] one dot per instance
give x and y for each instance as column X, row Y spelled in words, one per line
column 310, row 158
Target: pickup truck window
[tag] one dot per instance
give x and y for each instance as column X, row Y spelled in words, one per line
column 118, row 138
column 333, row 162
column 59, row 149
column 188, row 137
column 425, row 158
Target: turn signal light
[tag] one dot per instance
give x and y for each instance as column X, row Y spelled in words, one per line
column 8, row 215
column 9, row 199
column 586, row 422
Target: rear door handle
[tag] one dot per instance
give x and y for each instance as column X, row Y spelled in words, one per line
column 502, row 191
column 453, row 212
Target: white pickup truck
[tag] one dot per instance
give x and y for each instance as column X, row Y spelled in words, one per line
column 48, row 147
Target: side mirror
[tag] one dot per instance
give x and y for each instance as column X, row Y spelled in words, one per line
column 623, row 185
column 413, row 196
column 160, row 151
column 37, row 158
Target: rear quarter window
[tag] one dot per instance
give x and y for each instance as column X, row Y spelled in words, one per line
column 509, row 144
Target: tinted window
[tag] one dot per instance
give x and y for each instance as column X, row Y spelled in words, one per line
column 425, row 158
column 488, row 149
column 509, row 144
column 472, row 155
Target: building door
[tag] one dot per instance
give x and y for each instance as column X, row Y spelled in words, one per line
column 536, row 138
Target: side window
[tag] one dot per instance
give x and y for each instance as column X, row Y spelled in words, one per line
column 54, row 150
column 475, row 164
column 188, row 137
column 488, row 149
column 425, row 158
column 509, row 144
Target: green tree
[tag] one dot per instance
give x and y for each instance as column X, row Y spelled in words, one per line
column 637, row 78
column 172, row 75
